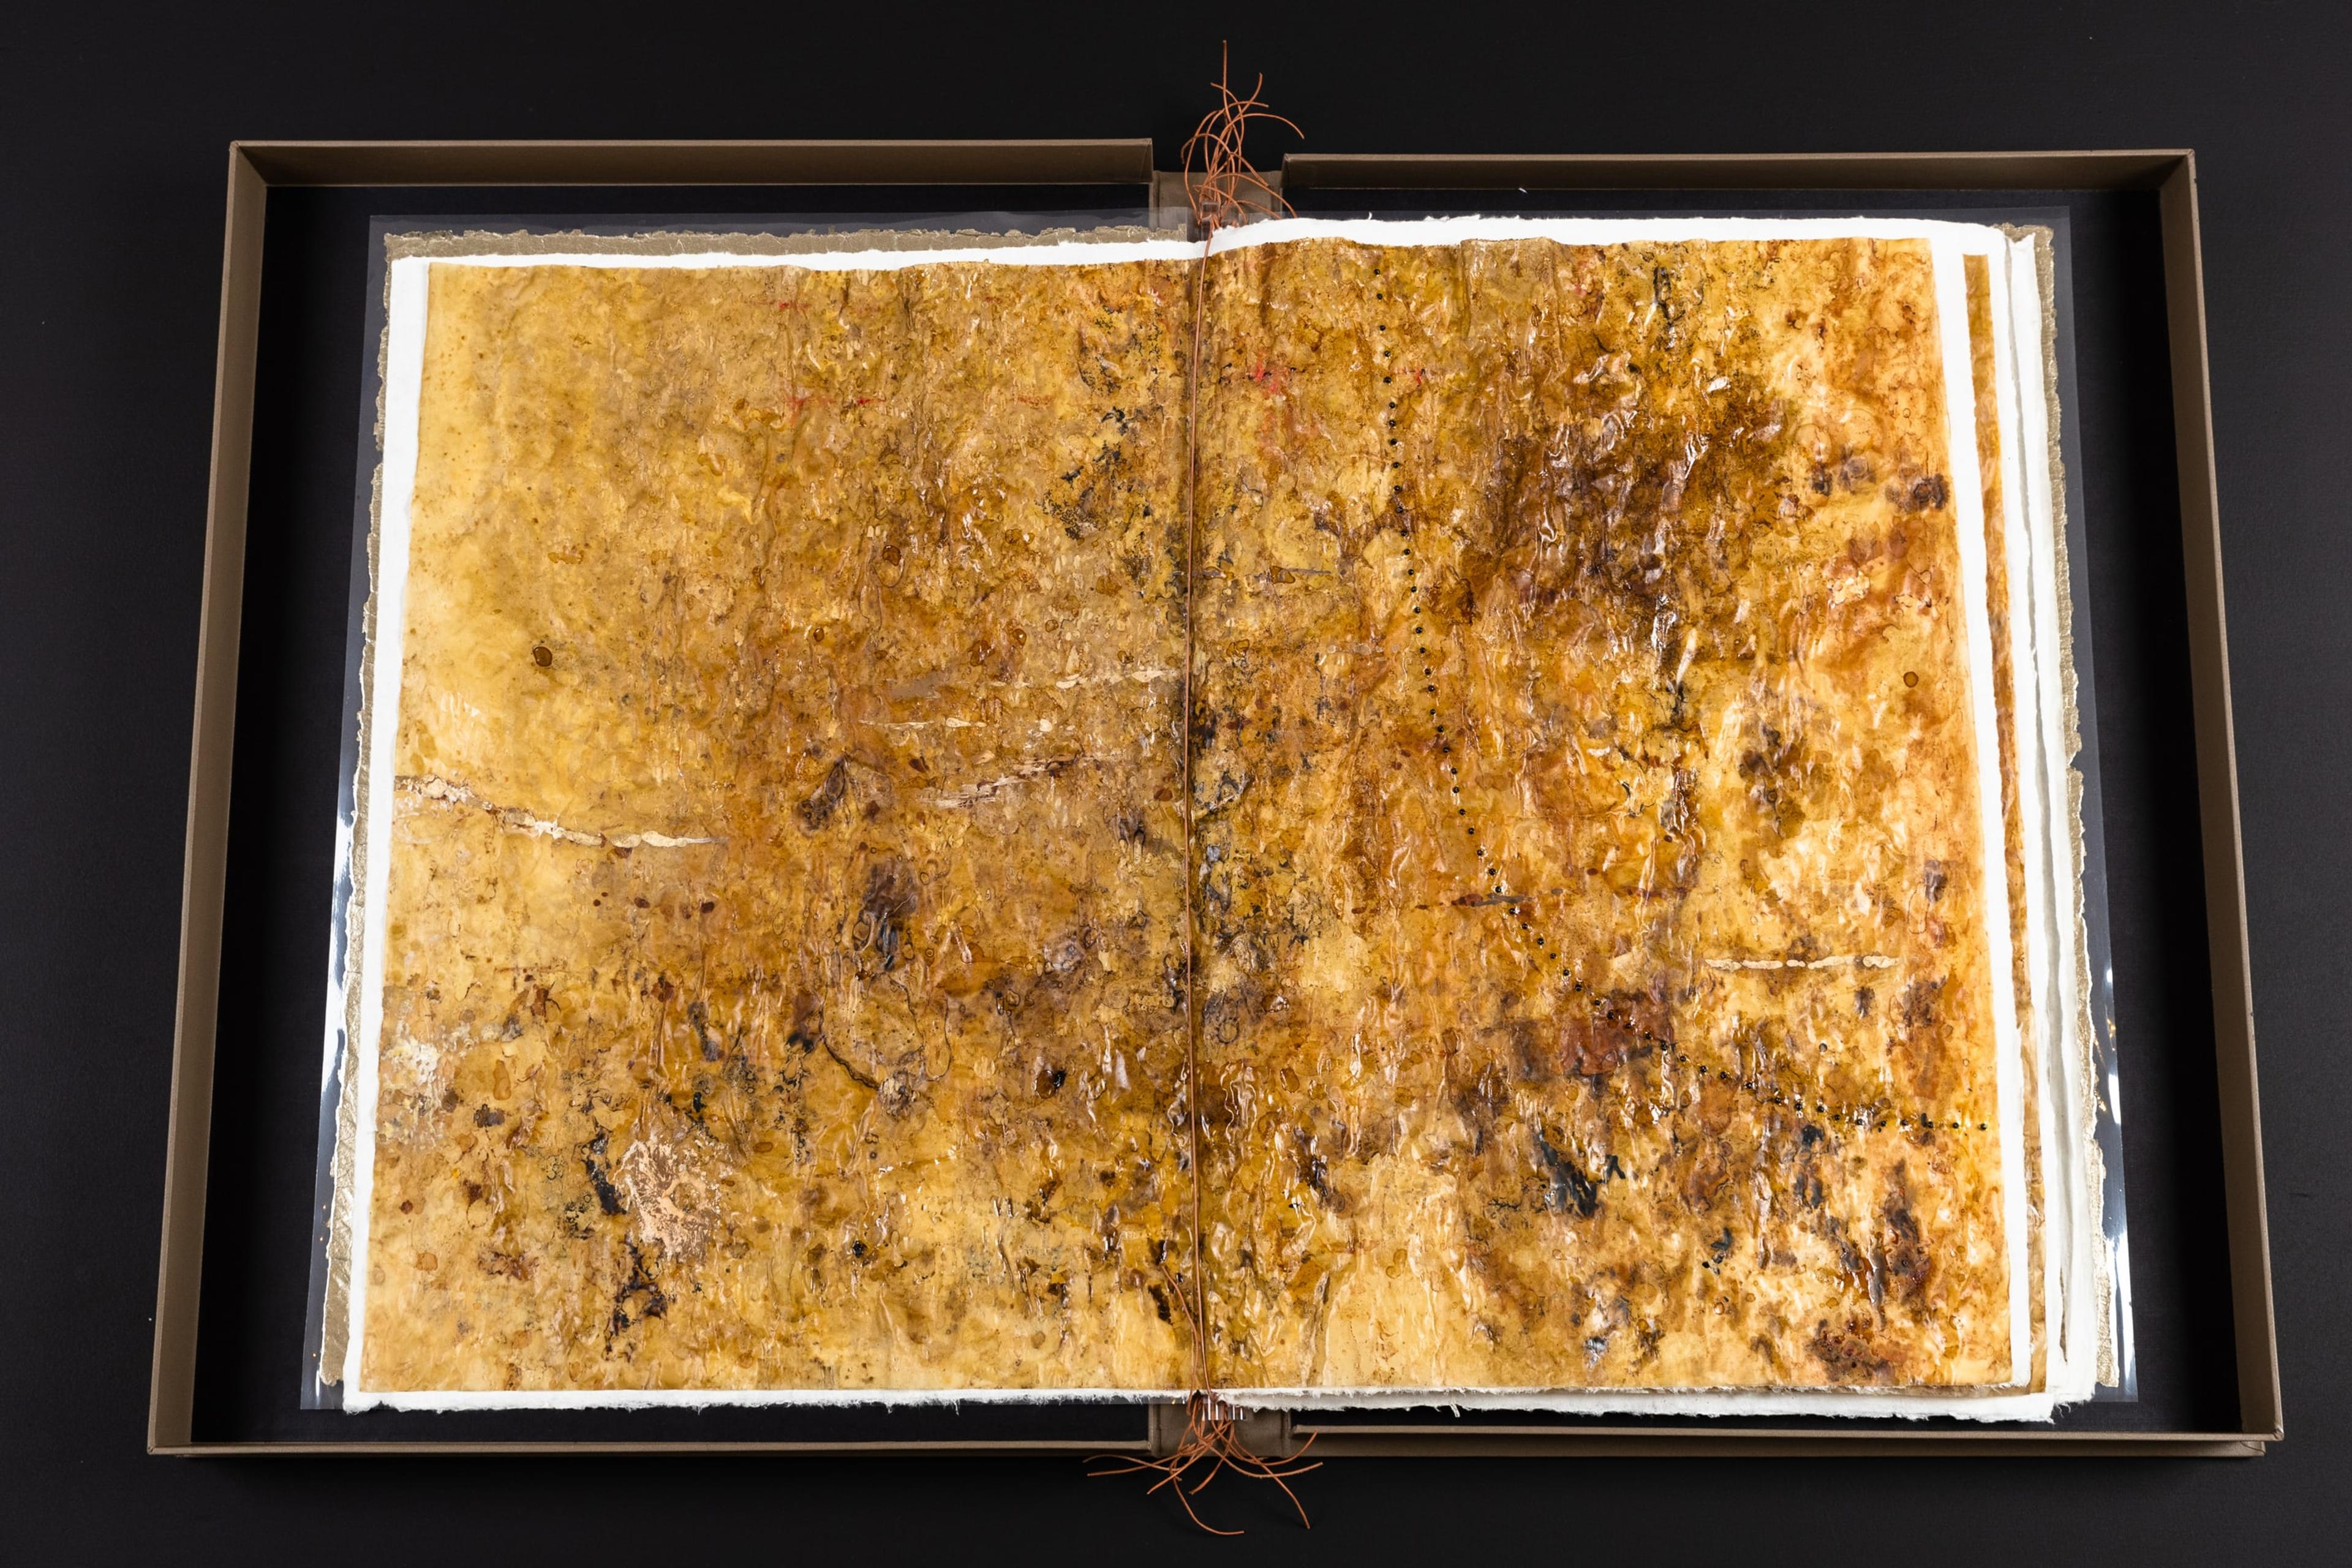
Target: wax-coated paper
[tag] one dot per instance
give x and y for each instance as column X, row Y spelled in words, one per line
column 1612, row 949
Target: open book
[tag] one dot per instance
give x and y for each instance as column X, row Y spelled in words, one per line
column 1473, row 810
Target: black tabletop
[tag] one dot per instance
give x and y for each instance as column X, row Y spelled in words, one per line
column 116, row 126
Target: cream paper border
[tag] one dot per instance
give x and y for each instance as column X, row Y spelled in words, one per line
column 1601, row 231
column 403, row 374
column 2033, row 817
column 408, row 291
column 1058, row 253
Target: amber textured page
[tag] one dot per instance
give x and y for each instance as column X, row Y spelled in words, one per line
column 1999, row 527
column 783, row 975
column 1595, row 984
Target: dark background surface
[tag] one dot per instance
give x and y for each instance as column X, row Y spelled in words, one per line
column 116, row 121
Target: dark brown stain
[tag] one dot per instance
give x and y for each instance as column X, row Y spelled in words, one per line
column 1929, row 493
column 1566, row 1188
column 1482, row 1101
column 504, row 1265
column 1102, row 492
column 1915, row 1006
column 1039, row 1208
column 1597, row 1040
column 1778, row 771
column 883, row 913
column 639, row 1290
column 593, row 1154
column 1809, row 1188
column 1848, row 1355
column 1902, row 1252
column 807, row 1030
column 818, row 808
column 1709, row 1171
column 1316, row 1170
column 1532, row 1062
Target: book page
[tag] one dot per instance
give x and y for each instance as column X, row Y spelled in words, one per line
column 1605, row 955
column 772, row 836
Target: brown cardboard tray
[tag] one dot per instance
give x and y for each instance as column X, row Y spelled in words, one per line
column 682, row 168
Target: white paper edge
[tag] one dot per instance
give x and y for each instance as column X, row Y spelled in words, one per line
column 2077, row 1339
column 1860, row 1403
column 404, row 376
column 2046, row 806
column 1913, row 1405
column 1587, row 230
column 1061, row 253
column 703, row 1398
column 2032, row 824
column 2032, row 819
column 404, row 364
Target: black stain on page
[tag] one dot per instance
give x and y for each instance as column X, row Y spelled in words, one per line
column 1569, row 1187
column 608, row 1198
column 883, row 914
column 819, row 807
column 640, row 1289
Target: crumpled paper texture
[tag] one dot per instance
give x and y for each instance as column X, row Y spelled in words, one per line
column 785, row 919
column 788, row 904
column 1593, row 989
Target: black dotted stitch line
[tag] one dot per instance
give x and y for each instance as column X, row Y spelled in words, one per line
column 1864, row 1117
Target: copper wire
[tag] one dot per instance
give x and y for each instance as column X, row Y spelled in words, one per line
column 1227, row 189
column 1211, row 1446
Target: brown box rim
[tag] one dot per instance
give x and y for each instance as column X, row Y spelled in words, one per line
column 256, row 167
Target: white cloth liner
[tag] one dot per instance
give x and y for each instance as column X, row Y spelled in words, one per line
column 2054, row 907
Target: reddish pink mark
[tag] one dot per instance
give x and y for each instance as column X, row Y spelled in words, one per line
column 1277, row 377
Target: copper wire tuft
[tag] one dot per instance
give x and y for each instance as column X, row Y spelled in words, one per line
column 1228, row 187
column 1212, row 1443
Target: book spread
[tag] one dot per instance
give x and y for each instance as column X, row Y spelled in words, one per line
column 1474, row 811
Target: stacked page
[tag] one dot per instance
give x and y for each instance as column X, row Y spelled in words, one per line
column 1369, row 813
